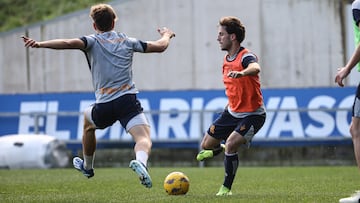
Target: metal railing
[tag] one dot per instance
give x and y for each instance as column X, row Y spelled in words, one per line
column 38, row 115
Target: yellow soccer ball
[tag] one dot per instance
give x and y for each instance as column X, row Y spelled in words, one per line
column 176, row 183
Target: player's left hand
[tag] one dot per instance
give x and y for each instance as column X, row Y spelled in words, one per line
column 30, row 42
column 235, row 74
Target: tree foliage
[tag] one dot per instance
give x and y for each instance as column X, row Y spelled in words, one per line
column 18, row 13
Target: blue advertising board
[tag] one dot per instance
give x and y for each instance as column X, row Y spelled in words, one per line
column 293, row 115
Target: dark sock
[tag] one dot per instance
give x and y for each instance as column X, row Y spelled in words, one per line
column 231, row 163
column 217, row 150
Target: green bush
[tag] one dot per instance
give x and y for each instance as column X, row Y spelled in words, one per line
column 17, row 13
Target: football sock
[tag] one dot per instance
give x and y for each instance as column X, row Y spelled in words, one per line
column 217, row 150
column 89, row 162
column 142, row 156
column 231, row 163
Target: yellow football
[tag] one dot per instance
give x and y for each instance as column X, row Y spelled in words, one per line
column 176, row 183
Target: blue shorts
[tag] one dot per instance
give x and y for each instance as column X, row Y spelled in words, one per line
column 225, row 124
column 124, row 109
column 356, row 105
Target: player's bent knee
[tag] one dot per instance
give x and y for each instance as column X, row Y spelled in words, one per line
column 88, row 126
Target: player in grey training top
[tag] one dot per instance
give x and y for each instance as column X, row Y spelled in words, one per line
column 115, row 51
column 110, row 56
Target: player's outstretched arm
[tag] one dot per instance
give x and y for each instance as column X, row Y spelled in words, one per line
column 161, row 44
column 55, row 43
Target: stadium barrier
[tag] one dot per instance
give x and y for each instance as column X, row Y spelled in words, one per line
column 191, row 143
column 266, row 149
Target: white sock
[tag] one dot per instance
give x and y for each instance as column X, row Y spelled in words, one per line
column 233, row 154
column 89, row 162
column 142, row 156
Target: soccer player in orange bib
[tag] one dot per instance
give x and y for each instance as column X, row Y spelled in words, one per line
column 245, row 113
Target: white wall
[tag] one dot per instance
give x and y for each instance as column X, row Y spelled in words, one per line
column 299, row 43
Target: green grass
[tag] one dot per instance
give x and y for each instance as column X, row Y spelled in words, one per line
column 252, row 184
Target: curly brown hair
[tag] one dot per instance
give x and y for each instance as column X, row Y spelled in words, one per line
column 233, row 25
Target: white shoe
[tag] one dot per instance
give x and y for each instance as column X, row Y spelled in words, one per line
column 355, row 198
column 79, row 165
column 142, row 172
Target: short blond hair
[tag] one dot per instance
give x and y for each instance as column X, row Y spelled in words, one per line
column 103, row 16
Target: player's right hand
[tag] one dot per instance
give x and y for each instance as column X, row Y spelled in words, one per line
column 165, row 30
column 341, row 75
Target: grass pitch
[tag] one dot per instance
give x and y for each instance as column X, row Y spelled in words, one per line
column 252, row 184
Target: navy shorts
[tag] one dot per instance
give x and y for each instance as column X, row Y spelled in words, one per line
column 122, row 109
column 225, row 124
column 356, row 105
